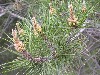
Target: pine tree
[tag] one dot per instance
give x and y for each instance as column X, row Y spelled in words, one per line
column 40, row 40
